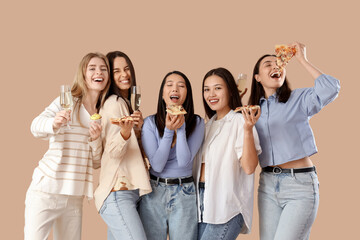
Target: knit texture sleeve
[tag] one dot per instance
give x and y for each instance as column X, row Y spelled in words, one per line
column 41, row 126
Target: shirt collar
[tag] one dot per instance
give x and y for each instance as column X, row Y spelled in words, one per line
column 227, row 117
column 274, row 96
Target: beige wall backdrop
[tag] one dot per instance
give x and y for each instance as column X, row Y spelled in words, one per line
column 42, row 43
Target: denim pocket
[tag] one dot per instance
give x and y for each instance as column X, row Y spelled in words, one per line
column 188, row 188
column 304, row 178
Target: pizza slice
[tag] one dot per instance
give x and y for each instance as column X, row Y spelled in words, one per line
column 122, row 119
column 283, row 54
column 247, row 107
column 175, row 110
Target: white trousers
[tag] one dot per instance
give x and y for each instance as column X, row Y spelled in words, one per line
column 44, row 211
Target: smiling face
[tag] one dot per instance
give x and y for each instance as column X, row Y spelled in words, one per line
column 122, row 74
column 270, row 76
column 174, row 91
column 96, row 75
column 216, row 95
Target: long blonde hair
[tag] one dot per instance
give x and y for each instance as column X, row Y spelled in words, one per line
column 79, row 89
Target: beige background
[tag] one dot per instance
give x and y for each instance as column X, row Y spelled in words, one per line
column 42, row 43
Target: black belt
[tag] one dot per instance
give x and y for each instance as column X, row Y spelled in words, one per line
column 172, row 180
column 201, row 185
column 278, row 170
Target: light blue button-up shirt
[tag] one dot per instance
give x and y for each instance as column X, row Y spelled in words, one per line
column 284, row 130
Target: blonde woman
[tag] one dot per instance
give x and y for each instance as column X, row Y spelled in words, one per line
column 64, row 174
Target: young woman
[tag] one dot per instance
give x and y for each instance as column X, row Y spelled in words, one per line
column 64, row 174
column 123, row 176
column 171, row 142
column 288, row 190
column 226, row 162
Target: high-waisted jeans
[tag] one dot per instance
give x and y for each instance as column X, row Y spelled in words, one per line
column 288, row 204
column 169, row 208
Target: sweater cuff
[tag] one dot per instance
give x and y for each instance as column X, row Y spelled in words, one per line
column 48, row 127
column 94, row 144
column 168, row 132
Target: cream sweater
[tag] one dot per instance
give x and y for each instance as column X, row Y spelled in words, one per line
column 121, row 158
column 66, row 167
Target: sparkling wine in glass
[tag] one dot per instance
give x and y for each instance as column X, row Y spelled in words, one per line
column 66, row 100
column 241, row 82
column 135, row 98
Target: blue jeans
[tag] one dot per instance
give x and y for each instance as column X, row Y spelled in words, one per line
column 225, row 231
column 169, row 209
column 120, row 214
column 288, row 205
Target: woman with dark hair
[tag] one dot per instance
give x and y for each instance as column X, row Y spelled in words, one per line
column 171, row 142
column 289, row 188
column 225, row 164
column 123, row 176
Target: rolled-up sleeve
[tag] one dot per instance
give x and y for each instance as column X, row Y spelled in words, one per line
column 326, row 89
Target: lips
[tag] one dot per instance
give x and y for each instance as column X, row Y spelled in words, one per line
column 213, row 101
column 275, row 75
column 98, row 79
column 174, row 98
column 125, row 81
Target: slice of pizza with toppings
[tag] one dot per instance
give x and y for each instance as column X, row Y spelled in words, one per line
column 283, row 54
column 122, row 119
column 176, row 110
column 247, row 107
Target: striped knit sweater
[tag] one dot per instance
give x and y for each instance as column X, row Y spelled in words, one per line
column 66, row 168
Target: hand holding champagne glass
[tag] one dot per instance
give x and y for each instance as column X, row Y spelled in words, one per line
column 66, row 100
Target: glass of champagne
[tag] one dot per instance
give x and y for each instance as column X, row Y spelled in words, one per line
column 66, row 100
column 135, row 97
column 241, row 82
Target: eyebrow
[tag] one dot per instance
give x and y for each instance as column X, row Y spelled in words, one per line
column 268, row 61
column 94, row 65
column 218, row 84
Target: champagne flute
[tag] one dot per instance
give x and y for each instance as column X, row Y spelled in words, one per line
column 66, row 100
column 135, row 97
column 241, row 82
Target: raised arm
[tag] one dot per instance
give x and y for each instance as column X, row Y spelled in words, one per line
column 48, row 123
column 326, row 87
column 302, row 58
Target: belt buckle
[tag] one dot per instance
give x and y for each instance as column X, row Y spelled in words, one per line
column 277, row 170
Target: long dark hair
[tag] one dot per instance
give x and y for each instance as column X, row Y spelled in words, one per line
column 257, row 90
column 234, row 98
column 114, row 89
column 188, row 105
